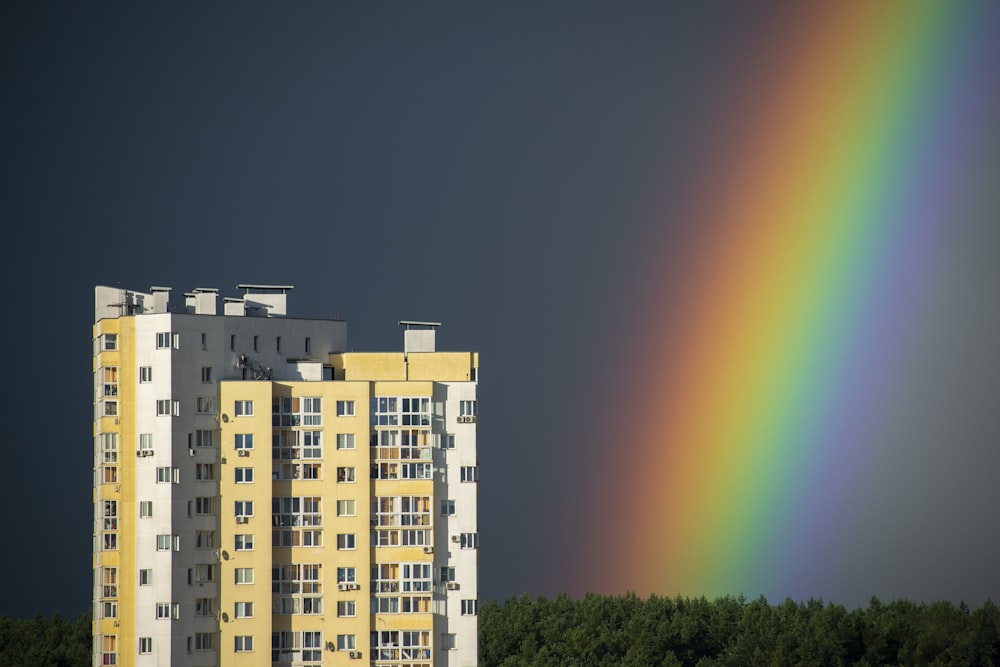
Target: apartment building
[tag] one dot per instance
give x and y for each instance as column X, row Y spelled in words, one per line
column 262, row 496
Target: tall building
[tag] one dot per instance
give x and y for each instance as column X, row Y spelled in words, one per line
column 262, row 496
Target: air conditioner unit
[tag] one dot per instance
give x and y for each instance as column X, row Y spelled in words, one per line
column 241, row 519
column 452, row 586
column 149, row 452
column 243, row 452
column 456, row 538
column 139, row 452
column 354, row 654
column 428, row 550
column 342, row 587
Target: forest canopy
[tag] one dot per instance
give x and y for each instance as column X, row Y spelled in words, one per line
column 602, row 631
column 733, row 632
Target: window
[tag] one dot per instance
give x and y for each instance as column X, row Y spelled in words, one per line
column 204, row 539
column 244, row 441
column 204, row 341
column 244, row 542
column 109, row 649
column 470, row 540
column 145, row 577
column 145, row 645
column 277, row 344
column 244, row 643
column 345, row 441
column 204, row 641
column 312, row 644
column 205, row 405
column 204, row 505
column 167, row 543
column 109, row 579
column 206, row 373
column 470, row 607
column 244, row 610
column 345, row 408
column 166, row 407
column 204, row 607
column 111, row 381
column 167, row 339
column 467, row 408
column 162, row 610
column 110, row 342
column 109, row 511
column 145, row 509
column 244, row 475
column 244, row 575
column 167, row 475
column 346, row 508
column 110, row 408
column 110, row 475
column 346, row 541
column 204, row 438
column 308, row 345
column 347, row 608
column 346, row 575
column 145, row 443
column 297, row 521
column 447, row 573
column 400, row 411
column 244, row 408
column 145, row 374
column 447, row 441
column 346, row 643
column 296, row 588
column 312, row 411
column 470, row 474
column 244, row 508
column 296, row 647
column 312, row 447
column 447, row 507
column 204, row 472
column 203, row 572
column 256, row 342
column 109, row 447
column 448, row 642
column 345, row 474
column 232, row 343
column 109, row 610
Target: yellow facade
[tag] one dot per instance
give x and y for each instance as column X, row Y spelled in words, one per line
column 114, row 537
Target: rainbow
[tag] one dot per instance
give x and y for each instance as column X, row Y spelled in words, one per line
column 770, row 346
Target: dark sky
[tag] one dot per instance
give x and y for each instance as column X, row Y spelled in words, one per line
column 484, row 165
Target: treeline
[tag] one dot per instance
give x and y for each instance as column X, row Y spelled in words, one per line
column 602, row 631
column 45, row 642
column 733, row 632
